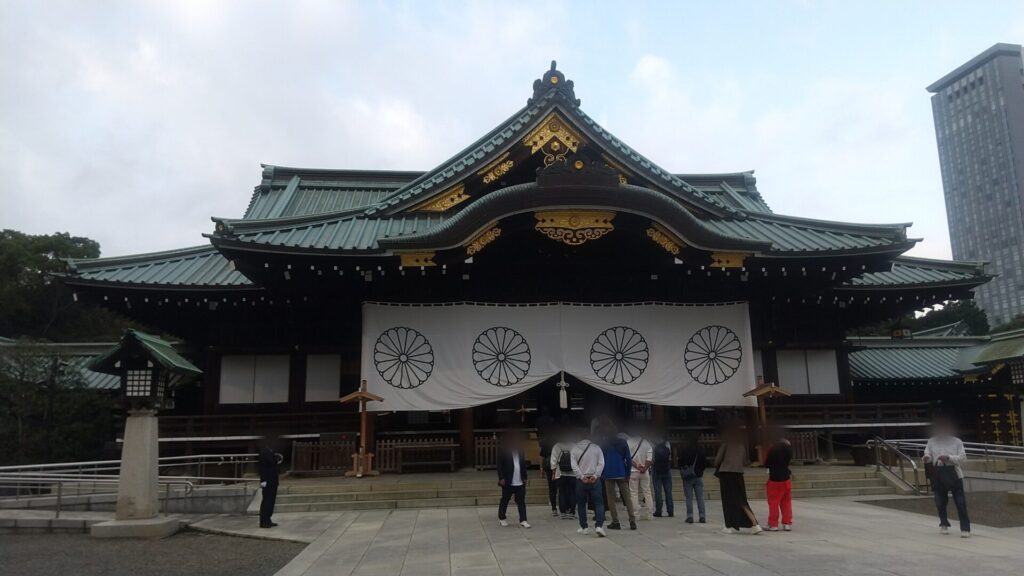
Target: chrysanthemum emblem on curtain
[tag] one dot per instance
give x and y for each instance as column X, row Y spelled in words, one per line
column 501, row 356
column 713, row 355
column 403, row 357
column 619, row 355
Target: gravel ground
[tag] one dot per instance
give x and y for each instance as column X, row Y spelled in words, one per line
column 987, row 508
column 186, row 554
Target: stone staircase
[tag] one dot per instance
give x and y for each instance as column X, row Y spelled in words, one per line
column 480, row 489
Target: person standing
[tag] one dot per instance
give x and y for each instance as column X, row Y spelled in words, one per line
column 779, row 488
column 692, row 463
column 267, row 462
column 661, row 477
column 616, row 475
column 641, row 456
column 730, row 462
column 587, row 461
column 545, row 439
column 512, row 478
column 944, row 454
column 565, row 476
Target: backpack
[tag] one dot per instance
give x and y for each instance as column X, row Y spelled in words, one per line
column 565, row 462
column 662, row 457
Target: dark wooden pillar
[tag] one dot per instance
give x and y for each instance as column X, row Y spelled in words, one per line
column 466, row 437
column 753, row 432
column 658, row 416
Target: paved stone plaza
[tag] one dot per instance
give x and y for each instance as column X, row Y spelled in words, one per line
column 831, row 537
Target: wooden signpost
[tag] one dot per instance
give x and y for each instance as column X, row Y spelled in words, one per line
column 763, row 392
column 362, row 461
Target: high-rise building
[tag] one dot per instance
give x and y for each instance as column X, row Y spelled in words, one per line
column 979, row 125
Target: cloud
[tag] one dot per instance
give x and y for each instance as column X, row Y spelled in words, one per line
column 834, row 147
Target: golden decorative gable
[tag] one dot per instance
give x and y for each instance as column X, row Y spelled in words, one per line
column 447, row 199
column 554, row 138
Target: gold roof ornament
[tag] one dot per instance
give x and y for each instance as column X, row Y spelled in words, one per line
column 667, row 240
column 728, row 259
column 478, row 243
column 554, row 138
column 574, row 227
column 417, row 259
column 444, row 201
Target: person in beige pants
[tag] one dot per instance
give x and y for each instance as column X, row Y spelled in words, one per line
column 641, row 455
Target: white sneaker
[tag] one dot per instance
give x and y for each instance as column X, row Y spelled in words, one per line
column 965, row 534
column 753, row 531
column 772, row 528
column 944, row 530
column 787, row 527
column 600, row 531
column 583, row 531
column 524, row 524
column 503, row 523
column 728, row 530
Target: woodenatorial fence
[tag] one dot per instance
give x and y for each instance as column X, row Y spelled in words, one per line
column 485, row 452
column 326, row 457
column 394, row 454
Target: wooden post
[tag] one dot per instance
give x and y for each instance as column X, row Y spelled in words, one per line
column 658, row 416
column 467, row 438
column 362, row 461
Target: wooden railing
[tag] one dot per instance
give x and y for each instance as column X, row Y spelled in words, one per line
column 389, row 458
column 322, row 457
column 485, row 452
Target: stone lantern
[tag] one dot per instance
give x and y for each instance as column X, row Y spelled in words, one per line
column 149, row 369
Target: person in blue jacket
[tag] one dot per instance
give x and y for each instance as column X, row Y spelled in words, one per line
column 616, row 475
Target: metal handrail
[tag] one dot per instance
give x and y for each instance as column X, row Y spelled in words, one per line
column 881, row 445
column 109, row 465
column 18, row 480
column 987, row 450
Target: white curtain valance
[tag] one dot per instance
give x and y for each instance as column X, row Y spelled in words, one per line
column 446, row 356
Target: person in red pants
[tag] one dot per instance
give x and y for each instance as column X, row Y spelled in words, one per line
column 780, row 486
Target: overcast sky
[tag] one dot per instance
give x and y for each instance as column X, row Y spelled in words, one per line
column 132, row 123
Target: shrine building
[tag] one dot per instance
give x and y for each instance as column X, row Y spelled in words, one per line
column 545, row 237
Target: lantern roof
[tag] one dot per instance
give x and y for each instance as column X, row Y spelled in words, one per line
column 135, row 344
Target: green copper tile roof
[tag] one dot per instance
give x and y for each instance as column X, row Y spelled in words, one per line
column 344, row 233
column 354, row 232
column 1005, row 346
column 797, row 235
column 908, row 271
column 156, row 349
column 297, row 192
column 198, row 267
column 72, row 359
column 906, row 364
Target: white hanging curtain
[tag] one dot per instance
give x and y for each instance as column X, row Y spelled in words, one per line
column 447, row 356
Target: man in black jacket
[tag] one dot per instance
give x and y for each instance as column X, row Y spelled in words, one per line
column 267, row 462
column 512, row 477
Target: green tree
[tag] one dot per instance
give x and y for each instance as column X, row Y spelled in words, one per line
column 47, row 412
column 951, row 312
column 33, row 304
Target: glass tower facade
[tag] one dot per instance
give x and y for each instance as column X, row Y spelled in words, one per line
column 979, row 126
